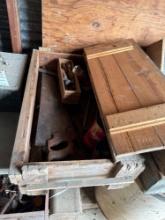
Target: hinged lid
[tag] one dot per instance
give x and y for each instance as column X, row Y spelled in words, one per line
column 73, row 24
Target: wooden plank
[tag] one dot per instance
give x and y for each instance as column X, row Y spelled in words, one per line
column 136, row 119
column 71, row 25
column 103, row 50
column 134, row 72
column 105, row 99
column 21, row 147
column 124, row 97
column 14, row 24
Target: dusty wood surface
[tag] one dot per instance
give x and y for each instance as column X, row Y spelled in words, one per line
column 125, row 81
column 14, row 25
column 129, row 203
column 76, row 24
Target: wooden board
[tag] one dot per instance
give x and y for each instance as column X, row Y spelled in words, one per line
column 73, row 24
column 127, row 81
column 136, row 119
column 156, row 52
column 14, row 24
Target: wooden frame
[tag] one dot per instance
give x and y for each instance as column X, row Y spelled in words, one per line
column 14, row 25
column 32, row 177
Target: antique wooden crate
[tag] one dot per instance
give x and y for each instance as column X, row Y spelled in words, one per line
column 49, row 175
column 41, row 176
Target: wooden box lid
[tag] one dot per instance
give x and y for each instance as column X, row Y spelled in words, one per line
column 74, row 24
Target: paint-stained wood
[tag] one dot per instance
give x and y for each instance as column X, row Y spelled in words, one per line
column 129, row 90
column 73, row 24
column 14, row 24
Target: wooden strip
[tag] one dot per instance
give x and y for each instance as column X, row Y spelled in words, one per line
column 108, row 49
column 13, row 16
column 124, row 97
column 101, row 87
column 136, row 119
column 21, row 147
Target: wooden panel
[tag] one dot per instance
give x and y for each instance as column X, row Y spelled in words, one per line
column 73, row 24
column 136, row 119
column 156, row 52
column 131, row 81
column 13, row 16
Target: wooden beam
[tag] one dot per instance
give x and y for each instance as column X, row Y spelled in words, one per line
column 14, row 25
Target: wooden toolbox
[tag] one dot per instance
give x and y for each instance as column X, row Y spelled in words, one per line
column 68, row 27
column 41, row 176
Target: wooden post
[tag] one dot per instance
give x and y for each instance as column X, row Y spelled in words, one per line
column 14, row 25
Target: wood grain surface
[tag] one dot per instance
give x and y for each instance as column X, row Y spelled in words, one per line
column 128, row 81
column 74, row 24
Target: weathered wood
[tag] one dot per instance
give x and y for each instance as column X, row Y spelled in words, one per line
column 14, row 24
column 21, row 149
column 156, row 52
column 129, row 203
column 72, row 25
column 68, row 203
column 125, row 82
column 59, row 174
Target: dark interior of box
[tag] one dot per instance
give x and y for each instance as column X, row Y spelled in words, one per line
column 11, row 200
column 78, row 126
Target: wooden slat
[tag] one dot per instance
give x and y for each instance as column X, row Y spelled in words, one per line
column 136, row 119
column 14, row 25
column 21, row 149
column 105, row 99
column 134, row 71
column 124, row 97
column 103, row 50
